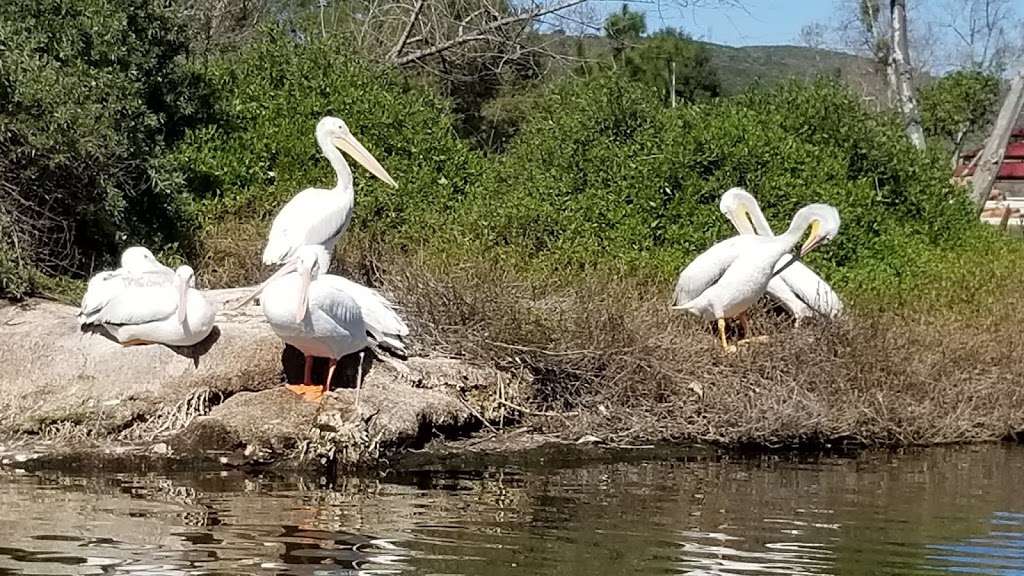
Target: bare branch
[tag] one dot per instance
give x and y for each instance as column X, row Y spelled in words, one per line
column 483, row 33
column 404, row 39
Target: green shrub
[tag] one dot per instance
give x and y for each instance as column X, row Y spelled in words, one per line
column 263, row 150
column 602, row 174
column 91, row 92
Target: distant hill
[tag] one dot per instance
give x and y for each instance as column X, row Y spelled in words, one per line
column 739, row 67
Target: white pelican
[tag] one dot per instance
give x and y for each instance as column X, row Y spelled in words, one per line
column 797, row 287
column 318, row 215
column 728, row 278
column 175, row 315
column 326, row 315
column 139, row 268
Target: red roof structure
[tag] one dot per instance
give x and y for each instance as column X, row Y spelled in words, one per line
column 1013, row 161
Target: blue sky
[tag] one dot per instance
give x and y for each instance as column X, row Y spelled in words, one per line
column 762, row 21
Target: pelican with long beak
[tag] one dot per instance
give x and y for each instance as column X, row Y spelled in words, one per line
column 802, row 292
column 175, row 315
column 728, row 278
column 323, row 316
column 318, row 215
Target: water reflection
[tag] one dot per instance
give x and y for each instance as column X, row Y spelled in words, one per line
column 948, row 511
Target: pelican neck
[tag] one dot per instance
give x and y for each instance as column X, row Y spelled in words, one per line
column 337, row 160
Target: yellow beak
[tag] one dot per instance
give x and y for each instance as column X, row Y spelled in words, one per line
column 814, row 239
column 349, row 145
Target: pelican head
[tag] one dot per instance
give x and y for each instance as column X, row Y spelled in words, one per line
column 185, row 278
column 738, row 205
column 138, row 259
column 337, row 133
column 823, row 222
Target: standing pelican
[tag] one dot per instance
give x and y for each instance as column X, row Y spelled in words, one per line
column 728, row 278
column 797, row 287
column 175, row 315
column 139, row 268
column 325, row 315
column 318, row 215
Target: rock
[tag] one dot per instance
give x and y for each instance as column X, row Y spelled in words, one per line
column 222, row 400
column 393, row 413
column 52, row 373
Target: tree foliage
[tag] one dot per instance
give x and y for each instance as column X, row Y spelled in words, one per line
column 651, row 62
column 957, row 105
column 624, row 28
column 91, row 92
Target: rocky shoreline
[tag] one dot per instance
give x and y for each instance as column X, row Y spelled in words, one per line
column 68, row 397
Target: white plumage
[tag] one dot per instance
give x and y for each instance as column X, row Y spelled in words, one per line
column 318, row 215
column 728, row 278
column 175, row 315
column 139, row 268
column 797, row 287
column 324, row 315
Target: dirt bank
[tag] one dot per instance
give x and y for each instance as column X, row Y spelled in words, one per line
column 65, row 393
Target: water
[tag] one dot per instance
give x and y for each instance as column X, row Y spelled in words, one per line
column 937, row 511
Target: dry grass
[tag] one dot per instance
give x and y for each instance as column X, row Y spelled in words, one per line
column 606, row 351
column 609, row 349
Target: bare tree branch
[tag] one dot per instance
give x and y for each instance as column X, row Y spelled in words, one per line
column 483, row 33
column 404, row 39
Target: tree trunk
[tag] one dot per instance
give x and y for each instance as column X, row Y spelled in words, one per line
column 991, row 158
column 900, row 73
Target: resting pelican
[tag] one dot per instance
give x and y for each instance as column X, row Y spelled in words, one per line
column 139, row 268
column 176, row 315
column 317, row 215
column 728, row 278
column 797, row 287
column 326, row 315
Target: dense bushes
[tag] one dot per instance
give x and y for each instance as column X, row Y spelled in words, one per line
column 91, row 92
column 263, row 151
column 602, row 174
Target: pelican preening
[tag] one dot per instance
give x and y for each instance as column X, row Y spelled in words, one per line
column 326, row 316
column 802, row 292
column 141, row 304
column 318, row 215
column 728, row 278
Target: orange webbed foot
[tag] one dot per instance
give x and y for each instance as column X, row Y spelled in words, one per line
column 309, row 392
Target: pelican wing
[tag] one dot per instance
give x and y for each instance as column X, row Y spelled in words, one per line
column 101, row 289
column 814, row 292
column 779, row 290
column 706, row 269
column 139, row 306
column 337, row 304
column 382, row 321
column 313, row 216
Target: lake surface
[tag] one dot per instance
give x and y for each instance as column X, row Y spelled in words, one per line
column 936, row 511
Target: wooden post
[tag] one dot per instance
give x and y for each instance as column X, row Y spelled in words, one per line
column 991, row 158
column 672, row 83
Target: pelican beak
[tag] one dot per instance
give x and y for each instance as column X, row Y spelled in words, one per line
column 353, row 148
column 814, row 240
column 300, row 311
column 182, row 301
column 289, row 267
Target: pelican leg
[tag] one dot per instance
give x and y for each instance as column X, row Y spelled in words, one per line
column 721, row 335
column 307, row 389
column 359, row 377
column 745, row 324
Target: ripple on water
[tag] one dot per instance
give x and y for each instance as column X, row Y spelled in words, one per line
column 939, row 511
